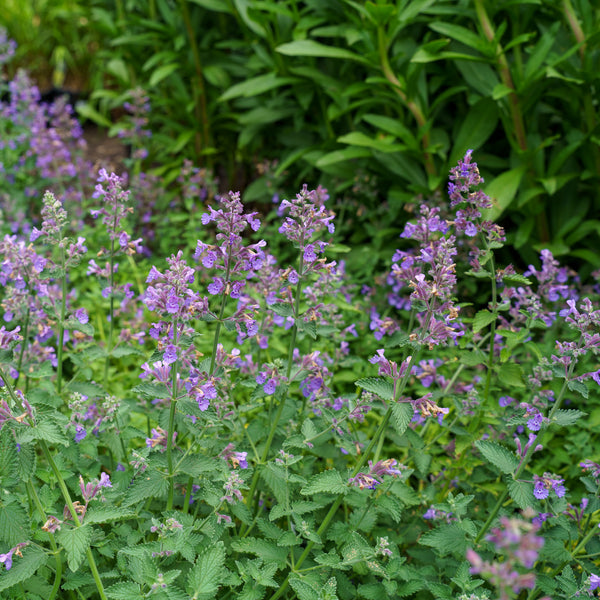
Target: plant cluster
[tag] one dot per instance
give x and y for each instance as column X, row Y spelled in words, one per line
column 243, row 420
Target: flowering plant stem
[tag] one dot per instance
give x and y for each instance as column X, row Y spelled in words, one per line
column 61, row 327
column 73, row 511
column 171, row 426
column 526, row 458
column 277, row 418
column 58, row 574
column 398, row 389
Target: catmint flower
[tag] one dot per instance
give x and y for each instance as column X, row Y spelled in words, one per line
column 232, row 488
column 382, row 548
column 159, row 439
column 543, row 485
column 594, row 582
column 7, row 559
column 52, row 524
column 237, row 459
column 505, row 401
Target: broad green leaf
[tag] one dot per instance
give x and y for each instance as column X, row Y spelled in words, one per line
column 516, row 279
column 304, row 590
column 75, row 541
column 257, row 85
column 268, row 551
column 475, row 129
column 567, row 417
column 580, row 387
column 357, row 138
column 204, row 578
column 402, row 414
column 338, row 156
column 14, row 524
column 464, row 36
column 124, row 591
column 22, row 568
column 162, row 73
column 380, row 387
column 392, row 126
column 446, row 539
column 521, row 492
column 502, row 190
column 511, row 375
column 498, row 455
column 327, row 482
column 105, row 513
column 150, row 484
column 312, row 48
column 152, row 390
column 45, row 429
column 482, row 319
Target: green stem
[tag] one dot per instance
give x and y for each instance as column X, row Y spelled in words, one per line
column 111, row 312
column 412, row 106
column 58, row 575
column 171, row 426
column 61, row 327
column 73, row 511
column 188, row 494
column 504, row 69
column 490, row 364
column 526, row 458
column 363, row 459
column 199, row 92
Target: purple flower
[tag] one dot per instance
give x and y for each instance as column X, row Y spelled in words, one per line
column 594, row 582
column 505, row 401
column 80, row 432
column 6, row 559
column 81, row 315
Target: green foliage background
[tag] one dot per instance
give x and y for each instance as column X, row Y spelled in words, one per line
column 375, row 99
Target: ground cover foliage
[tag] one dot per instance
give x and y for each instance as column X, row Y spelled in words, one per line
column 240, row 419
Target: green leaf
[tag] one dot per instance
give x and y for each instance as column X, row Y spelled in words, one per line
column 304, row 590
column 124, row 591
column 257, row 85
column 511, row 375
column 327, row 482
column 152, row 390
column 402, row 414
column 162, row 73
column 75, row 541
column 462, row 35
column 479, row 125
column 86, row 111
column 14, row 523
column 337, row 156
column 567, row 417
column 269, row 552
column 103, row 514
column 216, row 5
column 580, row 387
column 498, row 455
column 150, row 484
column 204, row 578
column 126, row 350
column 521, row 492
column 312, row 48
column 357, row 138
column 380, row 387
column 282, row 309
column 45, row 429
column 482, row 319
column 23, row 568
column 516, row 279
column 446, row 539
column 502, row 190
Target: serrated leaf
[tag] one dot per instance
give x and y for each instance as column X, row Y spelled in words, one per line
column 75, row 541
column 482, row 319
column 402, row 414
column 152, row 390
column 327, row 482
column 567, row 417
column 516, row 279
column 282, row 309
column 104, row 514
column 150, row 484
column 304, row 590
column 498, row 455
column 124, row 591
column 511, row 375
column 446, row 539
column 268, row 551
column 126, row 350
column 380, row 387
column 13, row 523
column 521, row 492
column 204, row 578
column 23, row 567
column 45, row 429
column 580, row 387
